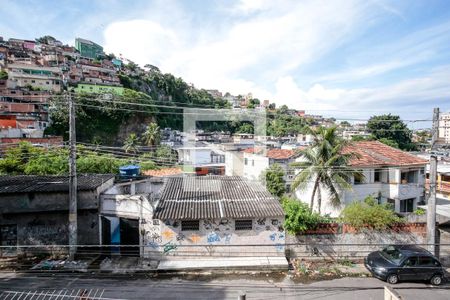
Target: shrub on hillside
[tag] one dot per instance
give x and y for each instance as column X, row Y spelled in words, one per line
column 369, row 213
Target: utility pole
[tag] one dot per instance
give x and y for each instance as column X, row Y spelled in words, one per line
column 73, row 226
column 431, row 210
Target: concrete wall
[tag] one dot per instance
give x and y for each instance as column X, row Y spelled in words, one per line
column 234, row 163
column 347, row 245
column 51, row 228
column 256, row 164
column 39, row 202
column 215, row 238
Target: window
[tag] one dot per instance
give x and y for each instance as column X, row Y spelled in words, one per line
column 407, row 205
column 253, row 162
column 245, row 161
column 359, row 179
column 408, row 177
column 243, row 225
column 377, row 176
column 193, row 225
column 426, row 261
column 391, row 202
column 411, row 262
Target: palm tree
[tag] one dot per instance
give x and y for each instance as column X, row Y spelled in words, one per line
column 326, row 164
column 151, row 135
column 131, row 143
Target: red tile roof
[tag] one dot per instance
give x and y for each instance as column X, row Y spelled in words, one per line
column 280, row 153
column 272, row 153
column 374, row 153
column 163, row 172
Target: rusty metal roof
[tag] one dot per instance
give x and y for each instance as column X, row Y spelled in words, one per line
column 215, row 197
column 43, row 184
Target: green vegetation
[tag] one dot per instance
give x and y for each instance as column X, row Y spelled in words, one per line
column 389, row 142
column 131, row 143
column 273, row 180
column 298, row 216
column 392, row 131
column 3, row 75
column 152, row 135
column 325, row 164
column 369, row 213
column 420, row 212
column 30, row 160
column 281, row 123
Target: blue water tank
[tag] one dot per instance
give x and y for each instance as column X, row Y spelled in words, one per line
column 129, row 171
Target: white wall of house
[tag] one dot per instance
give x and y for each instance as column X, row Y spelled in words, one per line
column 387, row 187
column 195, row 155
column 254, row 165
column 234, row 163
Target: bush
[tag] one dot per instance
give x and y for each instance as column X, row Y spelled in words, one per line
column 298, row 216
column 419, row 212
column 369, row 214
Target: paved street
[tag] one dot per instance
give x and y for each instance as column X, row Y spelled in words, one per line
column 225, row 287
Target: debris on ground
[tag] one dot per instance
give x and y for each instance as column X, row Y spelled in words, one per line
column 68, row 265
column 306, row 270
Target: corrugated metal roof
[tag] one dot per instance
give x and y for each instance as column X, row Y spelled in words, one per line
column 35, row 183
column 215, row 197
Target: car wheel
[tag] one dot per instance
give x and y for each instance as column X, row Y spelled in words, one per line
column 392, row 278
column 436, row 280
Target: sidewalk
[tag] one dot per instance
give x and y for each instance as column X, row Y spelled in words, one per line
column 247, row 263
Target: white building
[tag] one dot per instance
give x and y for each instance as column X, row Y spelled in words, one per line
column 256, row 161
column 349, row 134
column 391, row 175
column 444, row 127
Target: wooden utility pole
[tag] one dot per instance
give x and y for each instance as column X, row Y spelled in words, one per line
column 431, row 210
column 73, row 226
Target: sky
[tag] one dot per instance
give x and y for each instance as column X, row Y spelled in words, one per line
column 348, row 59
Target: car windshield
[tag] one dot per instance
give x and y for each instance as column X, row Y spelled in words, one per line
column 392, row 254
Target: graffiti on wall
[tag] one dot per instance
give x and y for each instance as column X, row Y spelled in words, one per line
column 218, row 225
column 213, row 238
column 35, row 234
column 195, row 238
column 168, row 234
column 169, row 247
column 279, row 238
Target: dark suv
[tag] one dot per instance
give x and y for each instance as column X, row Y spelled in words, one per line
column 405, row 262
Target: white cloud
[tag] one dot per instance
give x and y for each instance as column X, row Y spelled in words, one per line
column 264, row 51
column 142, row 41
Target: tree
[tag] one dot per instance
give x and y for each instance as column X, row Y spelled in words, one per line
column 390, row 127
column 152, row 135
column 389, row 142
column 131, row 143
column 273, row 178
column 358, row 138
column 298, row 217
column 245, row 128
column 325, row 164
column 46, row 39
column 3, row 75
column 345, row 124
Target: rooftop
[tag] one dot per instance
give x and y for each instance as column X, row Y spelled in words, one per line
column 374, row 153
column 164, row 172
column 43, row 184
column 272, row 153
column 215, row 197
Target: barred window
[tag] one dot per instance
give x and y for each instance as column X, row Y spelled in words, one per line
column 243, row 225
column 193, row 225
